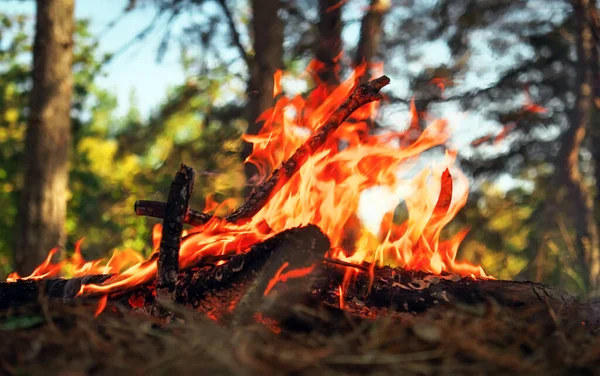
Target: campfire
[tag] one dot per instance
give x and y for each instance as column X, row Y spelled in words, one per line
column 302, row 233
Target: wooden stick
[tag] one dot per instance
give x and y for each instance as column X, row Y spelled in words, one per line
column 261, row 194
column 156, row 209
column 176, row 208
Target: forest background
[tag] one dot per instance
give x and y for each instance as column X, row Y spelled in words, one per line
column 155, row 83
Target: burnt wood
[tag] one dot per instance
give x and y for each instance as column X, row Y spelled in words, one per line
column 175, row 211
column 301, row 250
column 23, row 292
column 299, row 247
column 240, row 281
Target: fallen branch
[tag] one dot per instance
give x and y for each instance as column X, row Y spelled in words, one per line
column 261, row 194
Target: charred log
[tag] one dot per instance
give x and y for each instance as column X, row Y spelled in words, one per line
column 23, row 292
column 413, row 291
column 299, row 247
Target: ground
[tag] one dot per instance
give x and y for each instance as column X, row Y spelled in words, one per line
column 66, row 339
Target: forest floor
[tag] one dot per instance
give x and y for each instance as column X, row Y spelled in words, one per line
column 68, row 340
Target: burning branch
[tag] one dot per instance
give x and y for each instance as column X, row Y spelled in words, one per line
column 261, row 194
column 174, row 216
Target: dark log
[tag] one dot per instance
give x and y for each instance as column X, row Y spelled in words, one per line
column 175, row 211
column 23, row 292
column 261, row 194
column 303, row 244
column 300, row 251
column 391, row 289
column 414, row 291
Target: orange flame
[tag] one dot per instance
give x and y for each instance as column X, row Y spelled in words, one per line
column 336, row 6
column 328, row 191
column 101, row 305
column 341, row 293
column 277, row 82
column 282, row 277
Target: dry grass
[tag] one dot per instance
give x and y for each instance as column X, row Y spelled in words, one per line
column 68, row 340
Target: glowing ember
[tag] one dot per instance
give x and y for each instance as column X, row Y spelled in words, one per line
column 282, row 277
column 101, row 305
column 326, row 192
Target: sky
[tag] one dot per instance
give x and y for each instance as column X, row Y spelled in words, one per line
column 136, row 70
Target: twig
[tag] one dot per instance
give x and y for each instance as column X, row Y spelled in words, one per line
column 345, row 264
column 156, row 209
column 261, row 194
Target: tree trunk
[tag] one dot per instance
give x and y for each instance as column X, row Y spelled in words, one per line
column 594, row 132
column 580, row 199
column 43, row 206
column 329, row 41
column 267, row 28
column 370, row 34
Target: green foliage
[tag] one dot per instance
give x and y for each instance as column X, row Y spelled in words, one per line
column 14, row 83
column 115, row 160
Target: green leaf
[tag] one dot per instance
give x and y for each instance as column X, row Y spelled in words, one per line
column 21, row 322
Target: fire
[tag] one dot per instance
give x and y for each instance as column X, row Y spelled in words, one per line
column 327, row 192
column 282, row 277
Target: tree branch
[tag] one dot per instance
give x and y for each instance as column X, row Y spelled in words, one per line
column 235, row 34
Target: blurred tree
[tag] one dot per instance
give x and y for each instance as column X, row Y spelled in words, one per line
column 328, row 46
column 531, row 88
column 371, row 30
column 43, row 207
column 267, row 36
column 582, row 204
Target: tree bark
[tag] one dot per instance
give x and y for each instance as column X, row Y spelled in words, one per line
column 43, row 208
column 594, row 132
column 267, row 28
column 580, row 199
column 329, row 42
column 370, row 34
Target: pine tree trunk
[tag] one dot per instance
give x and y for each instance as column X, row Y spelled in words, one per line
column 267, row 28
column 43, row 206
column 370, row 33
column 329, row 42
column 580, row 199
column 595, row 126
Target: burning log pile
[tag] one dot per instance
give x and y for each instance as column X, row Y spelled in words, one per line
column 246, row 282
